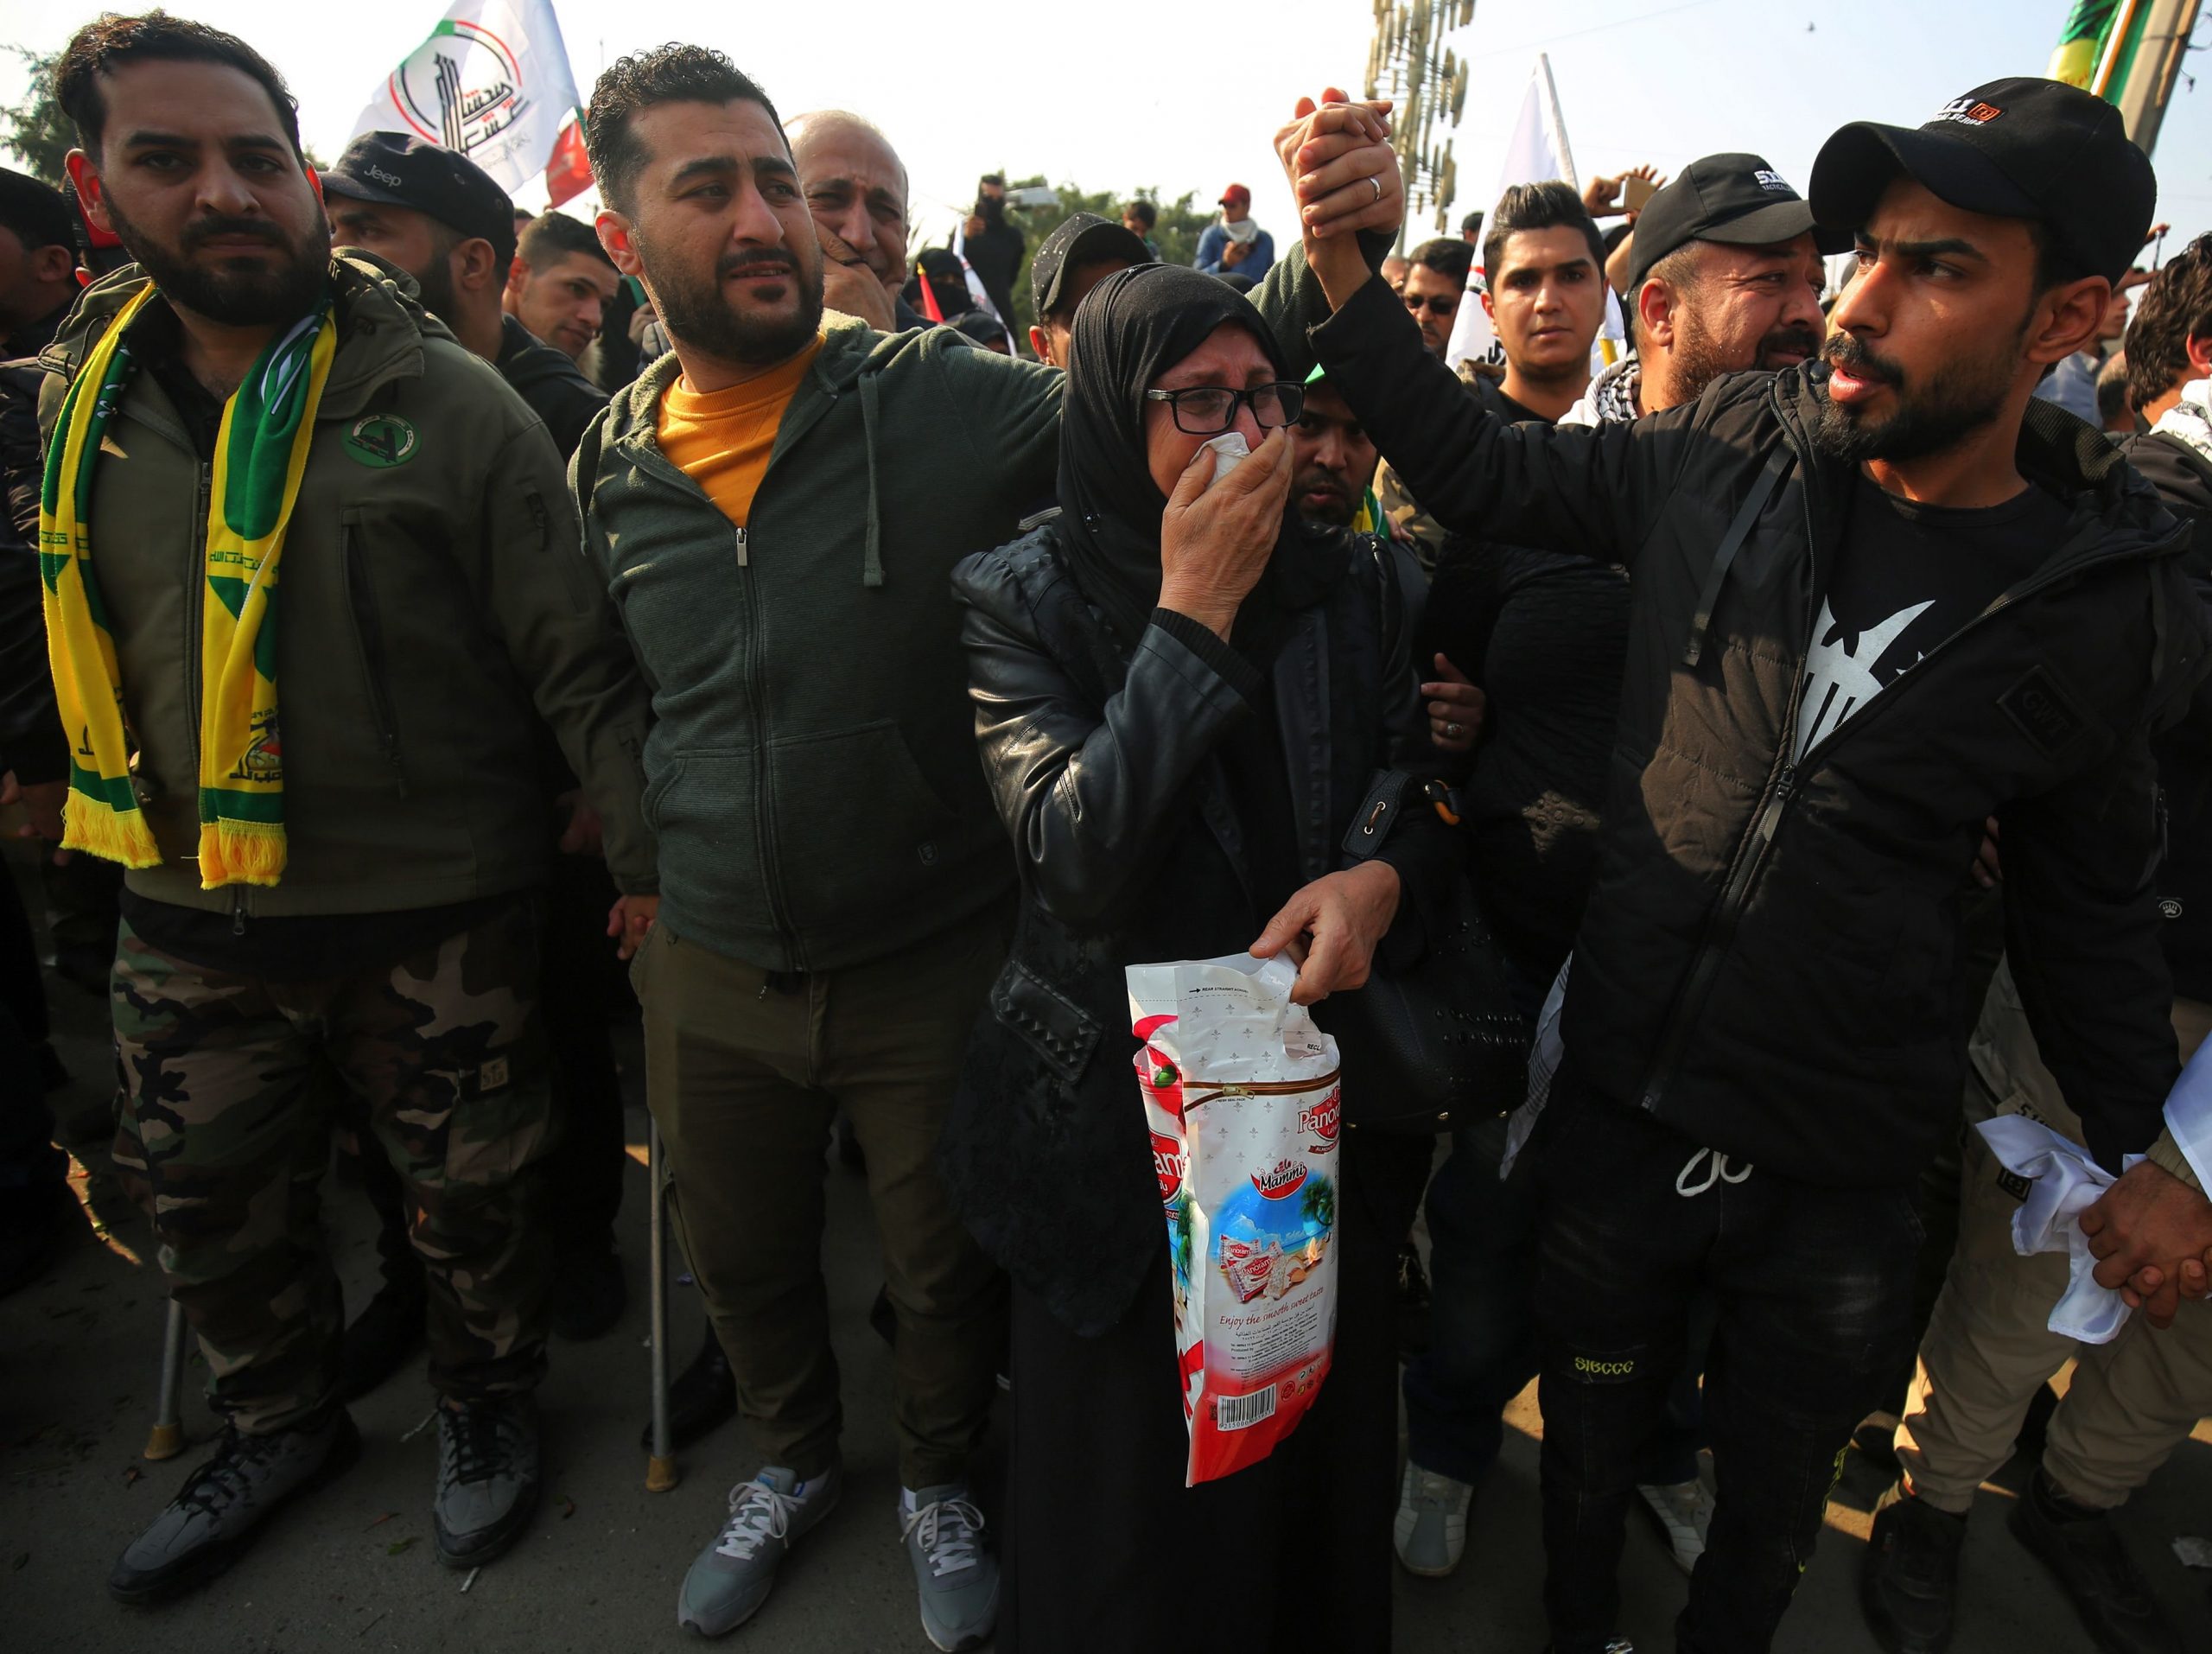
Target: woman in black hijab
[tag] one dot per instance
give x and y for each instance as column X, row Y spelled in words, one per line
column 1182, row 693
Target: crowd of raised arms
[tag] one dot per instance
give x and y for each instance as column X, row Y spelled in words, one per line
column 1797, row 730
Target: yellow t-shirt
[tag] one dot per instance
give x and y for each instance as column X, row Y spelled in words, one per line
column 721, row 439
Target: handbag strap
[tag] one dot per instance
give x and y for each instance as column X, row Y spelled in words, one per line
column 1776, row 468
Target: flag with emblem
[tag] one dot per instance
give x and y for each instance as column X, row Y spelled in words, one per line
column 493, row 81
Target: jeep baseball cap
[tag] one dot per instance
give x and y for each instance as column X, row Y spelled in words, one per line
column 1738, row 199
column 2016, row 149
column 1082, row 239
column 398, row 170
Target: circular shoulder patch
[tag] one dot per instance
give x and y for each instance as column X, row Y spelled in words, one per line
column 381, row 440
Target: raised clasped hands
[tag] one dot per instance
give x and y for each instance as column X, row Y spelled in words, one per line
column 1345, row 176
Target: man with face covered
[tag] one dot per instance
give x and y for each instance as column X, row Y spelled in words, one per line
column 777, row 506
column 335, row 831
column 1877, row 599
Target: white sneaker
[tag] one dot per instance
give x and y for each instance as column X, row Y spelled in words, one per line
column 1684, row 1512
column 1431, row 1531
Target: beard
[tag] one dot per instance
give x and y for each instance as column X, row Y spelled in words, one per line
column 699, row 312
column 1699, row 358
column 240, row 293
column 434, row 288
column 1342, row 507
column 1959, row 399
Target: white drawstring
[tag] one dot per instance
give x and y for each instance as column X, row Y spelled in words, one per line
column 1718, row 1172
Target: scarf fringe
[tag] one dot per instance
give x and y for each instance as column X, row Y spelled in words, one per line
column 99, row 829
column 240, row 852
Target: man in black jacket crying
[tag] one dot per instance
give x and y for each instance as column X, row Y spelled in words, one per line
column 1878, row 599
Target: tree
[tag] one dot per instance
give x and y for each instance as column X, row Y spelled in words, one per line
column 37, row 130
column 1177, row 233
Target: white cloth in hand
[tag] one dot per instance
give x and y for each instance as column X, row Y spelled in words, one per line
column 2065, row 1183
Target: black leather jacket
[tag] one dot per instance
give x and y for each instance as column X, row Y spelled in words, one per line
column 1106, row 773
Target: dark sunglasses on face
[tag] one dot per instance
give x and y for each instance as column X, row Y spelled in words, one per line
column 1210, row 409
column 1439, row 304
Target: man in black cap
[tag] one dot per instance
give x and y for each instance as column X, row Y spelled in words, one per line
column 1725, row 277
column 1877, row 600
column 438, row 216
column 1081, row 253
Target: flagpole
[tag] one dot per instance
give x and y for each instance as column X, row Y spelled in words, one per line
column 1556, row 124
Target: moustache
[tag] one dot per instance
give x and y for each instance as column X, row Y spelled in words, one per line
column 1316, row 480
column 1805, row 341
column 203, row 230
column 756, row 264
column 1845, row 350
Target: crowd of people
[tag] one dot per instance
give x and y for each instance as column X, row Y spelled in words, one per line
column 1810, row 696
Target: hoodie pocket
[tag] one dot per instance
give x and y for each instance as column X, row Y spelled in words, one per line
column 368, row 638
column 701, row 810
column 858, row 827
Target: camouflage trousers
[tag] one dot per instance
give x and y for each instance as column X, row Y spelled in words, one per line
column 226, row 1133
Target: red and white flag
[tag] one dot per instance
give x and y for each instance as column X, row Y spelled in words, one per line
column 493, row 81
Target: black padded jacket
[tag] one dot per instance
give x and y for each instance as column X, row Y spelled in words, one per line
column 1771, row 960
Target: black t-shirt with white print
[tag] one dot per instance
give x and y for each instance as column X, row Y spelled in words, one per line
column 1908, row 575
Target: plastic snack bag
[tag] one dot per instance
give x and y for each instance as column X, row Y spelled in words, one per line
column 1241, row 1092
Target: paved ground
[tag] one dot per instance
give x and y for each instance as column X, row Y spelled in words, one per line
column 352, row 1568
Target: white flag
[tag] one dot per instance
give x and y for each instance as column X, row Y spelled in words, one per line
column 1537, row 150
column 493, row 81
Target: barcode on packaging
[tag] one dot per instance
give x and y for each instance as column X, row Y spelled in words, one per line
column 1241, row 1412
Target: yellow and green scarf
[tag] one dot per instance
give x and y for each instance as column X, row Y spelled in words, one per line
column 261, row 452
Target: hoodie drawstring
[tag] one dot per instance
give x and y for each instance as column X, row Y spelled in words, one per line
column 872, row 558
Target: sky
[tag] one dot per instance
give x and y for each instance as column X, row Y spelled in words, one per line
column 1176, row 95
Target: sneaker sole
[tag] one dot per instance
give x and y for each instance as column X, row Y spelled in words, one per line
column 821, row 1516
column 214, row 1559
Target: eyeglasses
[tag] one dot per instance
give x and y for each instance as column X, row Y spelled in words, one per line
column 1439, row 304
column 1210, row 409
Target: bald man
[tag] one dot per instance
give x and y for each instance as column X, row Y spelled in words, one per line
column 855, row 187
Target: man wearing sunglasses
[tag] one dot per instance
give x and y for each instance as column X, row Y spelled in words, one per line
column 1435, row 283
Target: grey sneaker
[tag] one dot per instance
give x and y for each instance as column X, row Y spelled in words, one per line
column 731, row 1577
column 1431, row 1531
column 1684, row 1513
column 487, row 1478
column 215, row 1514
column 958, row 1578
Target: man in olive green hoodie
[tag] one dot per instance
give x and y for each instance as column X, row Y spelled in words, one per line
column 432, row 594
column 778, row 504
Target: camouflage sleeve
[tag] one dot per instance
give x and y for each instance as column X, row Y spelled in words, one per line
column 550, row 607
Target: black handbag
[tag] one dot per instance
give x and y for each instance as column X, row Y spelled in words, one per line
column 1442, row 1042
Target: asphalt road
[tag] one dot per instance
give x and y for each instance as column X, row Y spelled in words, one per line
column 351, row 1567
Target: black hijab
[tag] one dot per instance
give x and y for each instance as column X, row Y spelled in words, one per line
column 1131, row 329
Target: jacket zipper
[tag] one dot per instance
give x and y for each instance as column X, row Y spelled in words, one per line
column 1781, row 788
column 368, row 634
column 764, row 835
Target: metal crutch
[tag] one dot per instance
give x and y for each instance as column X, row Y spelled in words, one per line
column 660, row 1467
column 166, row 1439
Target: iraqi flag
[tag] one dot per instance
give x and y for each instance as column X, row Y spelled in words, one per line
column 493, row 81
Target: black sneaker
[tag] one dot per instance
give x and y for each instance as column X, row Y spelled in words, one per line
column 384, row 1337
column 701, row 1398
column 224, row 1502
column 1909, row 1581
column 588, row 1292
column 2084, row 1554
column 488, row 1477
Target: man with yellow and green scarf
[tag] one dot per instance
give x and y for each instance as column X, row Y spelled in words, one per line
column 311, row 573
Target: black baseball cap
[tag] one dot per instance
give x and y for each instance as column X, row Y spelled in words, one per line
column 1738, row 199
column 1084, row 238
column 400, row 169
column 2018, row 149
